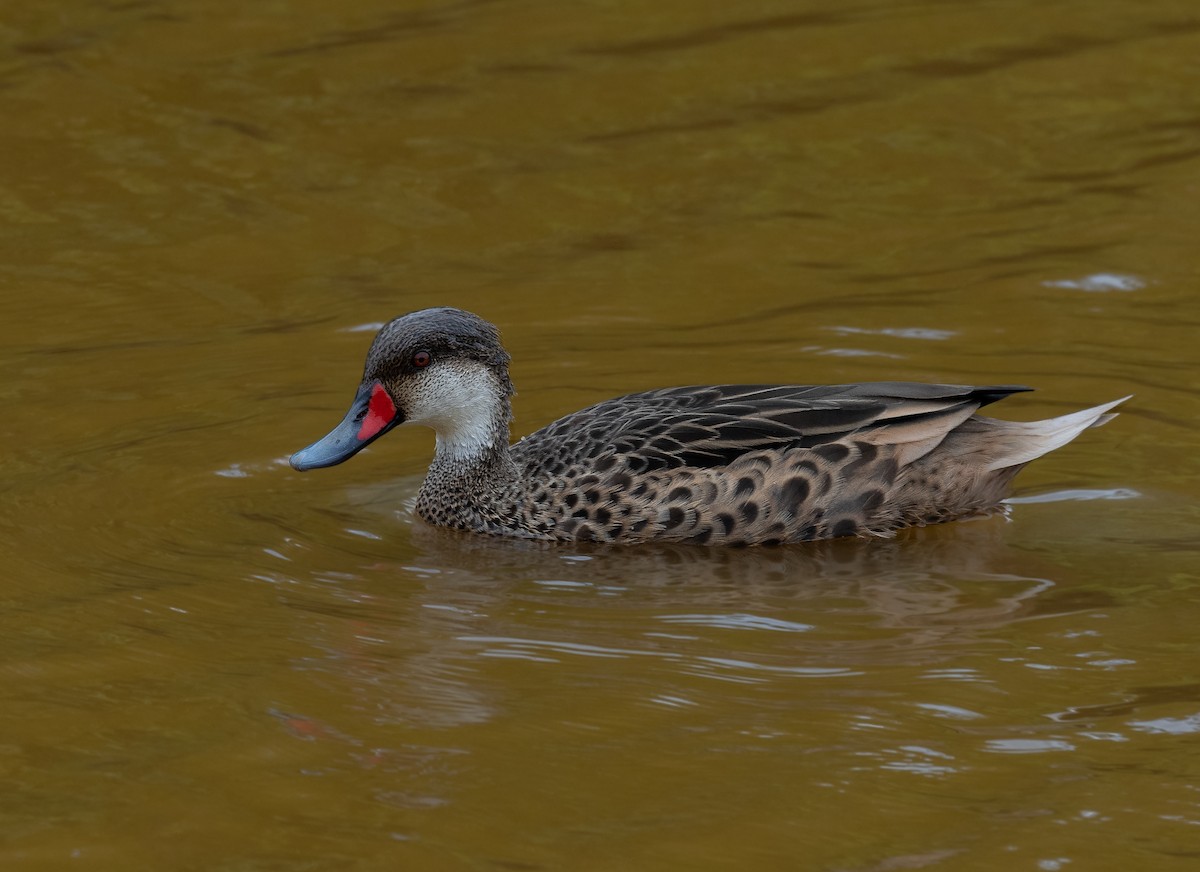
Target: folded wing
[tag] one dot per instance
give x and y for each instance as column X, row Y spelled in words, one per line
column 710, row 426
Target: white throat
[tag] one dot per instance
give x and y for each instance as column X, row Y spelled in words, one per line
column 461, row 402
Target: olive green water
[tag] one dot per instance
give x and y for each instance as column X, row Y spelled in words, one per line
column 210, row 662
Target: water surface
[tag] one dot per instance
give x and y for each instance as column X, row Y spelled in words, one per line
column 208, row 661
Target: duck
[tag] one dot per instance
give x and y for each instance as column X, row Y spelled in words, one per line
column 735, row 465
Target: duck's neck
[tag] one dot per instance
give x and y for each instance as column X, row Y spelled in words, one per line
column 472, row 468
column 473, row 443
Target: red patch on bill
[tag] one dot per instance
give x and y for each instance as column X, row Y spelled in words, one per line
column 380, row 412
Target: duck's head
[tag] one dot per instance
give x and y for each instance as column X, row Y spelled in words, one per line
column 444, row 368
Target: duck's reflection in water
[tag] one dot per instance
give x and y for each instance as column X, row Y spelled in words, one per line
column 964, row 575
column 824, row 608
column 464, row 627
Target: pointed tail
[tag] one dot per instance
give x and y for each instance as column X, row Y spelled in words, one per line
column 1014, row 443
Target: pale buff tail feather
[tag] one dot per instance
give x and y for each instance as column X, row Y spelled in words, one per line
column 1005, row 444
column 915, row 437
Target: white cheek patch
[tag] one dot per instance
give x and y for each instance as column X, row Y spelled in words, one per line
column 460, row 402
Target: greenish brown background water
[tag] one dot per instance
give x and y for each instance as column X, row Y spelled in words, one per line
column 210, row 662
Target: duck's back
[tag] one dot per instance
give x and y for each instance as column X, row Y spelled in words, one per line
column 760, row 463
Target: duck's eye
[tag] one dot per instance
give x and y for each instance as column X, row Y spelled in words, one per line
column 422, row 359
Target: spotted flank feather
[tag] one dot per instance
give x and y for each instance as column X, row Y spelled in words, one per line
column 719, row 464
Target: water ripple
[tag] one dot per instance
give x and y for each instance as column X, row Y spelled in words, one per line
column 1101, row 282
column 723, row 668
column 1170, row 726
column 740, row 621
column 1028, row 746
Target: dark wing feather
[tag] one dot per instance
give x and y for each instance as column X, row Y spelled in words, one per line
column 709, row 426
